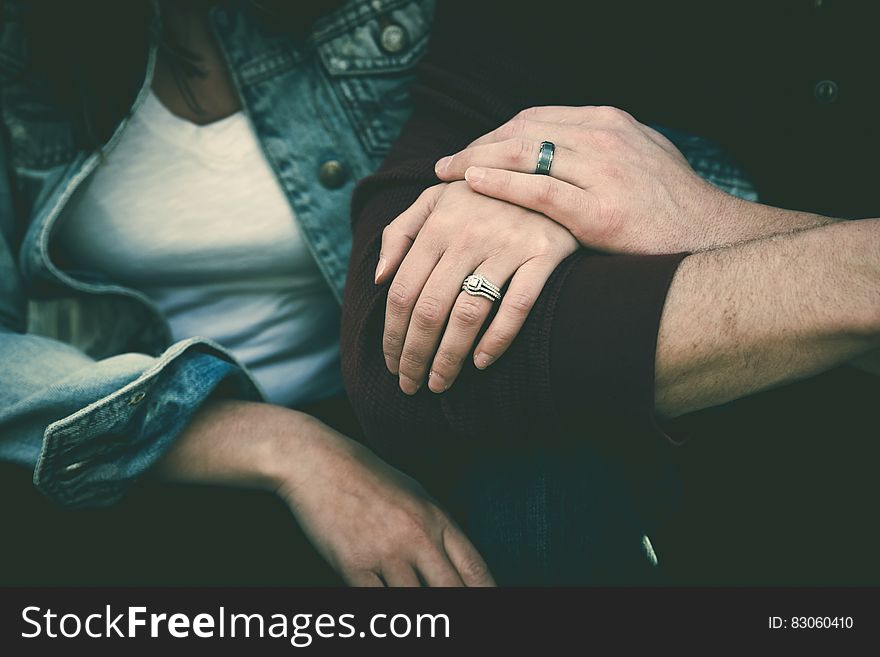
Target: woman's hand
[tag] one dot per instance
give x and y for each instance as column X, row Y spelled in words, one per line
column 373, row 524
column 616, row 184
column 449, row 233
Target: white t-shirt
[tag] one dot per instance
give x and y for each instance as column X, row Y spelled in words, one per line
column 193, row 216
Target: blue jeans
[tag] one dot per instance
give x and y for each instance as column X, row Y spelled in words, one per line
column 567, row 517
column 538, row 517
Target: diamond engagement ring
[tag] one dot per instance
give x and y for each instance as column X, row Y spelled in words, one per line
column 479, row 286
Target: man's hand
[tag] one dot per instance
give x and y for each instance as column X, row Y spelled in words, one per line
column 616, row 184
column 373, row 524
column 448, row 234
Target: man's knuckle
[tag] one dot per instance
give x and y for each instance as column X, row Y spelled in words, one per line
column 520, row 151
column 609, row 114
column 515, row 127
column 607, row 140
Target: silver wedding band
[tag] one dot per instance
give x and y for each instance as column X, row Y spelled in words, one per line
column 479, row 286
column 545, row 158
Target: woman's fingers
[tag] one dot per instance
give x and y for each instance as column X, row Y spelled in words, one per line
column 430, row 315
column 467, row 233
column 437, row 570
column 400, row 574
column 399, row 235
column 403, row 294
column 363, row 579
column 465, row 321
column 516, row 304
column 464, row 556
column 563, row 202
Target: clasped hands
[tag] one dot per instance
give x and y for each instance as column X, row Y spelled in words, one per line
column 615, row 185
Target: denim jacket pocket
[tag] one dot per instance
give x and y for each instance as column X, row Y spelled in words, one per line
column 370, row 67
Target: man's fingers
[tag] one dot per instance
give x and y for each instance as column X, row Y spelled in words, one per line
column 563, row 202
column 517, row 154
column 595, row 116
column 429, row 317
column 588, row 132
column 537, row 131
column 400, row 574
column 402, row 296
column 363, row 579
column 467, row 561
column 516, row 304
column 399, row 235
column 465, row 322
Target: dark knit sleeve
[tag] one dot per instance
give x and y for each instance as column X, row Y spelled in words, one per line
column 583, row 365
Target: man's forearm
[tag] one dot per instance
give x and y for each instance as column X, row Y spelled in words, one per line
column 747, row 318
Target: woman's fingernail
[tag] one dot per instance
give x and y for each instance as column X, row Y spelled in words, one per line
column 474, row 174
column 442, row 164
column 391, row 364
column 436, row 383
column 379, row 269
column 482, row 360
column 408, row 386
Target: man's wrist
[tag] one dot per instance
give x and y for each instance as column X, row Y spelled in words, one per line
column 736, row 221
column 860, row 249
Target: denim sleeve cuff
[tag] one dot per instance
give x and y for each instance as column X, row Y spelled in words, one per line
column 92, row 457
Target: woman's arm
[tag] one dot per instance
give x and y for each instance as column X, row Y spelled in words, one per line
column 372, row 523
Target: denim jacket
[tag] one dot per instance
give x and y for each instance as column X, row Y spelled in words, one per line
column 92, row 389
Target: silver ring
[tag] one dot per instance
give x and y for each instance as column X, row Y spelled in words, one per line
column 479, row 286
column 545, row 158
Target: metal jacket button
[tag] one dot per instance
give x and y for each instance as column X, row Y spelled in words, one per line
column 137, row 398
column 393, row 38
column 332, row 174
